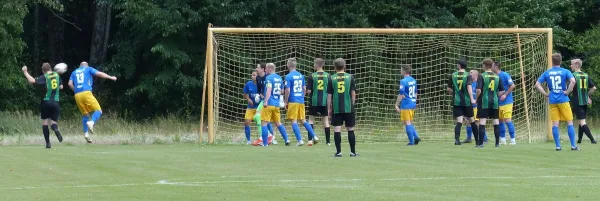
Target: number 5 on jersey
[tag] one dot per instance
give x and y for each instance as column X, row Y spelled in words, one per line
column 341, row 87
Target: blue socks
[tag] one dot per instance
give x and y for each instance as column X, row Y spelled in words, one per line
column 296, row 130
column 270, row 126
column 311, row 132
column 571, row 131
column 84, row 122
column 511, row 129
column 265, row 136
column 247, row 131
column 502, row 130
column 410, row 134
column 96, row 115
column 556, row 136
column 414, row 132
column 469, row 132
column 282, row 131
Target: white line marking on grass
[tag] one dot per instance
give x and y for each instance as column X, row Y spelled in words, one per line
column 298, row 182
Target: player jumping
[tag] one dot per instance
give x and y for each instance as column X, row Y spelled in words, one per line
column 317, row 88
column 295, row 88
column 505, row 105
column 251, row 95
column 271, row 111
column 560, row 110
column 406, row 103
column 489, row 88
column 581, row 98
column 81, row 82
column 49, row 108
column 459, row 85
column 340, row 106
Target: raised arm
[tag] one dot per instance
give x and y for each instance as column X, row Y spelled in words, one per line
column 30, row 79
column 105, row 76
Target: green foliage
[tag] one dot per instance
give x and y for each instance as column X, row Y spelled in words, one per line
column 588, row 45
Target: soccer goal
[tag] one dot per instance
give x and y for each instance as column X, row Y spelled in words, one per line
column 373, row 56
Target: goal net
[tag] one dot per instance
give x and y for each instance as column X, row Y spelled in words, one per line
column 373, row 56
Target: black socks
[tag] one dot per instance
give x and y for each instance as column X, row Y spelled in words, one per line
column 457, row 131
column 337, row 137
column 352, row 141
column 328, row 135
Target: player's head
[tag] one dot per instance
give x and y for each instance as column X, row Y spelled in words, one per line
column 487, row 64
column 496, row 67
column 319, row 63
column 461, row 64
column 474, row 74
column 339, row 64
column 270, row 68
column 83, row 64
column 405, row 69
column 254, row 74
column 292, row 63
column 556, row 59
column 260, row 68
column 576, row 64
column 46, row 67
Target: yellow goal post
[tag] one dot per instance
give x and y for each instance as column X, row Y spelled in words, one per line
column 231, row 55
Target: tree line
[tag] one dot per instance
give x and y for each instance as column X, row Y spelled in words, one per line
column 156, row 47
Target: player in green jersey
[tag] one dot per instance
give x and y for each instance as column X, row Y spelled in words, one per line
column 489, row 88
column 459, row 86
column 341, row 97
column 49, row 108
column 317, row 89
column 580, row 98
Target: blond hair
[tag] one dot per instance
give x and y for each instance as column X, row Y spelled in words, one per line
column 577, row 62
column 487, row 63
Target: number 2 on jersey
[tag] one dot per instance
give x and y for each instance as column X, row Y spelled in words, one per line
column 320, row 85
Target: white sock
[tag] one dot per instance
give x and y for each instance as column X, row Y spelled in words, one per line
column 503, row 139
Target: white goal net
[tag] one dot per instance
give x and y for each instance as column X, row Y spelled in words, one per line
column 374, row 59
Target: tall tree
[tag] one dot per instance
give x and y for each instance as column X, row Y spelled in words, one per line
column 101, row 32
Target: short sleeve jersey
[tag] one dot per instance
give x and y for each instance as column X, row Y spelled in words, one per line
column 252, row 91
column 295, row 82
column 408, row 89
column 506, row 83
column 274, row 82
column 83, row 78
column 557, row 79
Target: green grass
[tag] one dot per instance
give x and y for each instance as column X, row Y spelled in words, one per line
column 430, row 171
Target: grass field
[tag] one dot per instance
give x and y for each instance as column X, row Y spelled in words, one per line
column 430, row 171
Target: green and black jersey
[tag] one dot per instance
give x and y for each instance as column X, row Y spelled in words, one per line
column 489, row 84
column 583, row 82
column 52, row 83
column 458, row 82
column 340, row 87
column 318, row 83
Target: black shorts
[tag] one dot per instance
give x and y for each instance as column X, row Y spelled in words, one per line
column 466, row 111
column 580, row 111
column 50, row 110
column 487, row 113
column 317, row 111
column 347, row 119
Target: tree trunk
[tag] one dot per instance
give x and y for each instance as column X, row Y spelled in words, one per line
column 36, row 37
column 100, row 36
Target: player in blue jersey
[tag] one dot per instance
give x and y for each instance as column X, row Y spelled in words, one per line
column 406, row 103
column 505, row 105
column 261, row 78
column 558, row 97
column 252, row 96
column 295, row 88
column 81, row 81
column 474, row 76
column 272, row 103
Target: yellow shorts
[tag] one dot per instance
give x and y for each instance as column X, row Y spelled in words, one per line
column 561, row 112
column 475, row 114
column 249, row 114
column 407, row 115
column 270, row 114
column 296, row 111
column 86, row 102
column 505, row 111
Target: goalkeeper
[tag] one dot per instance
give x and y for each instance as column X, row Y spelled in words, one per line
column 260, row 84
